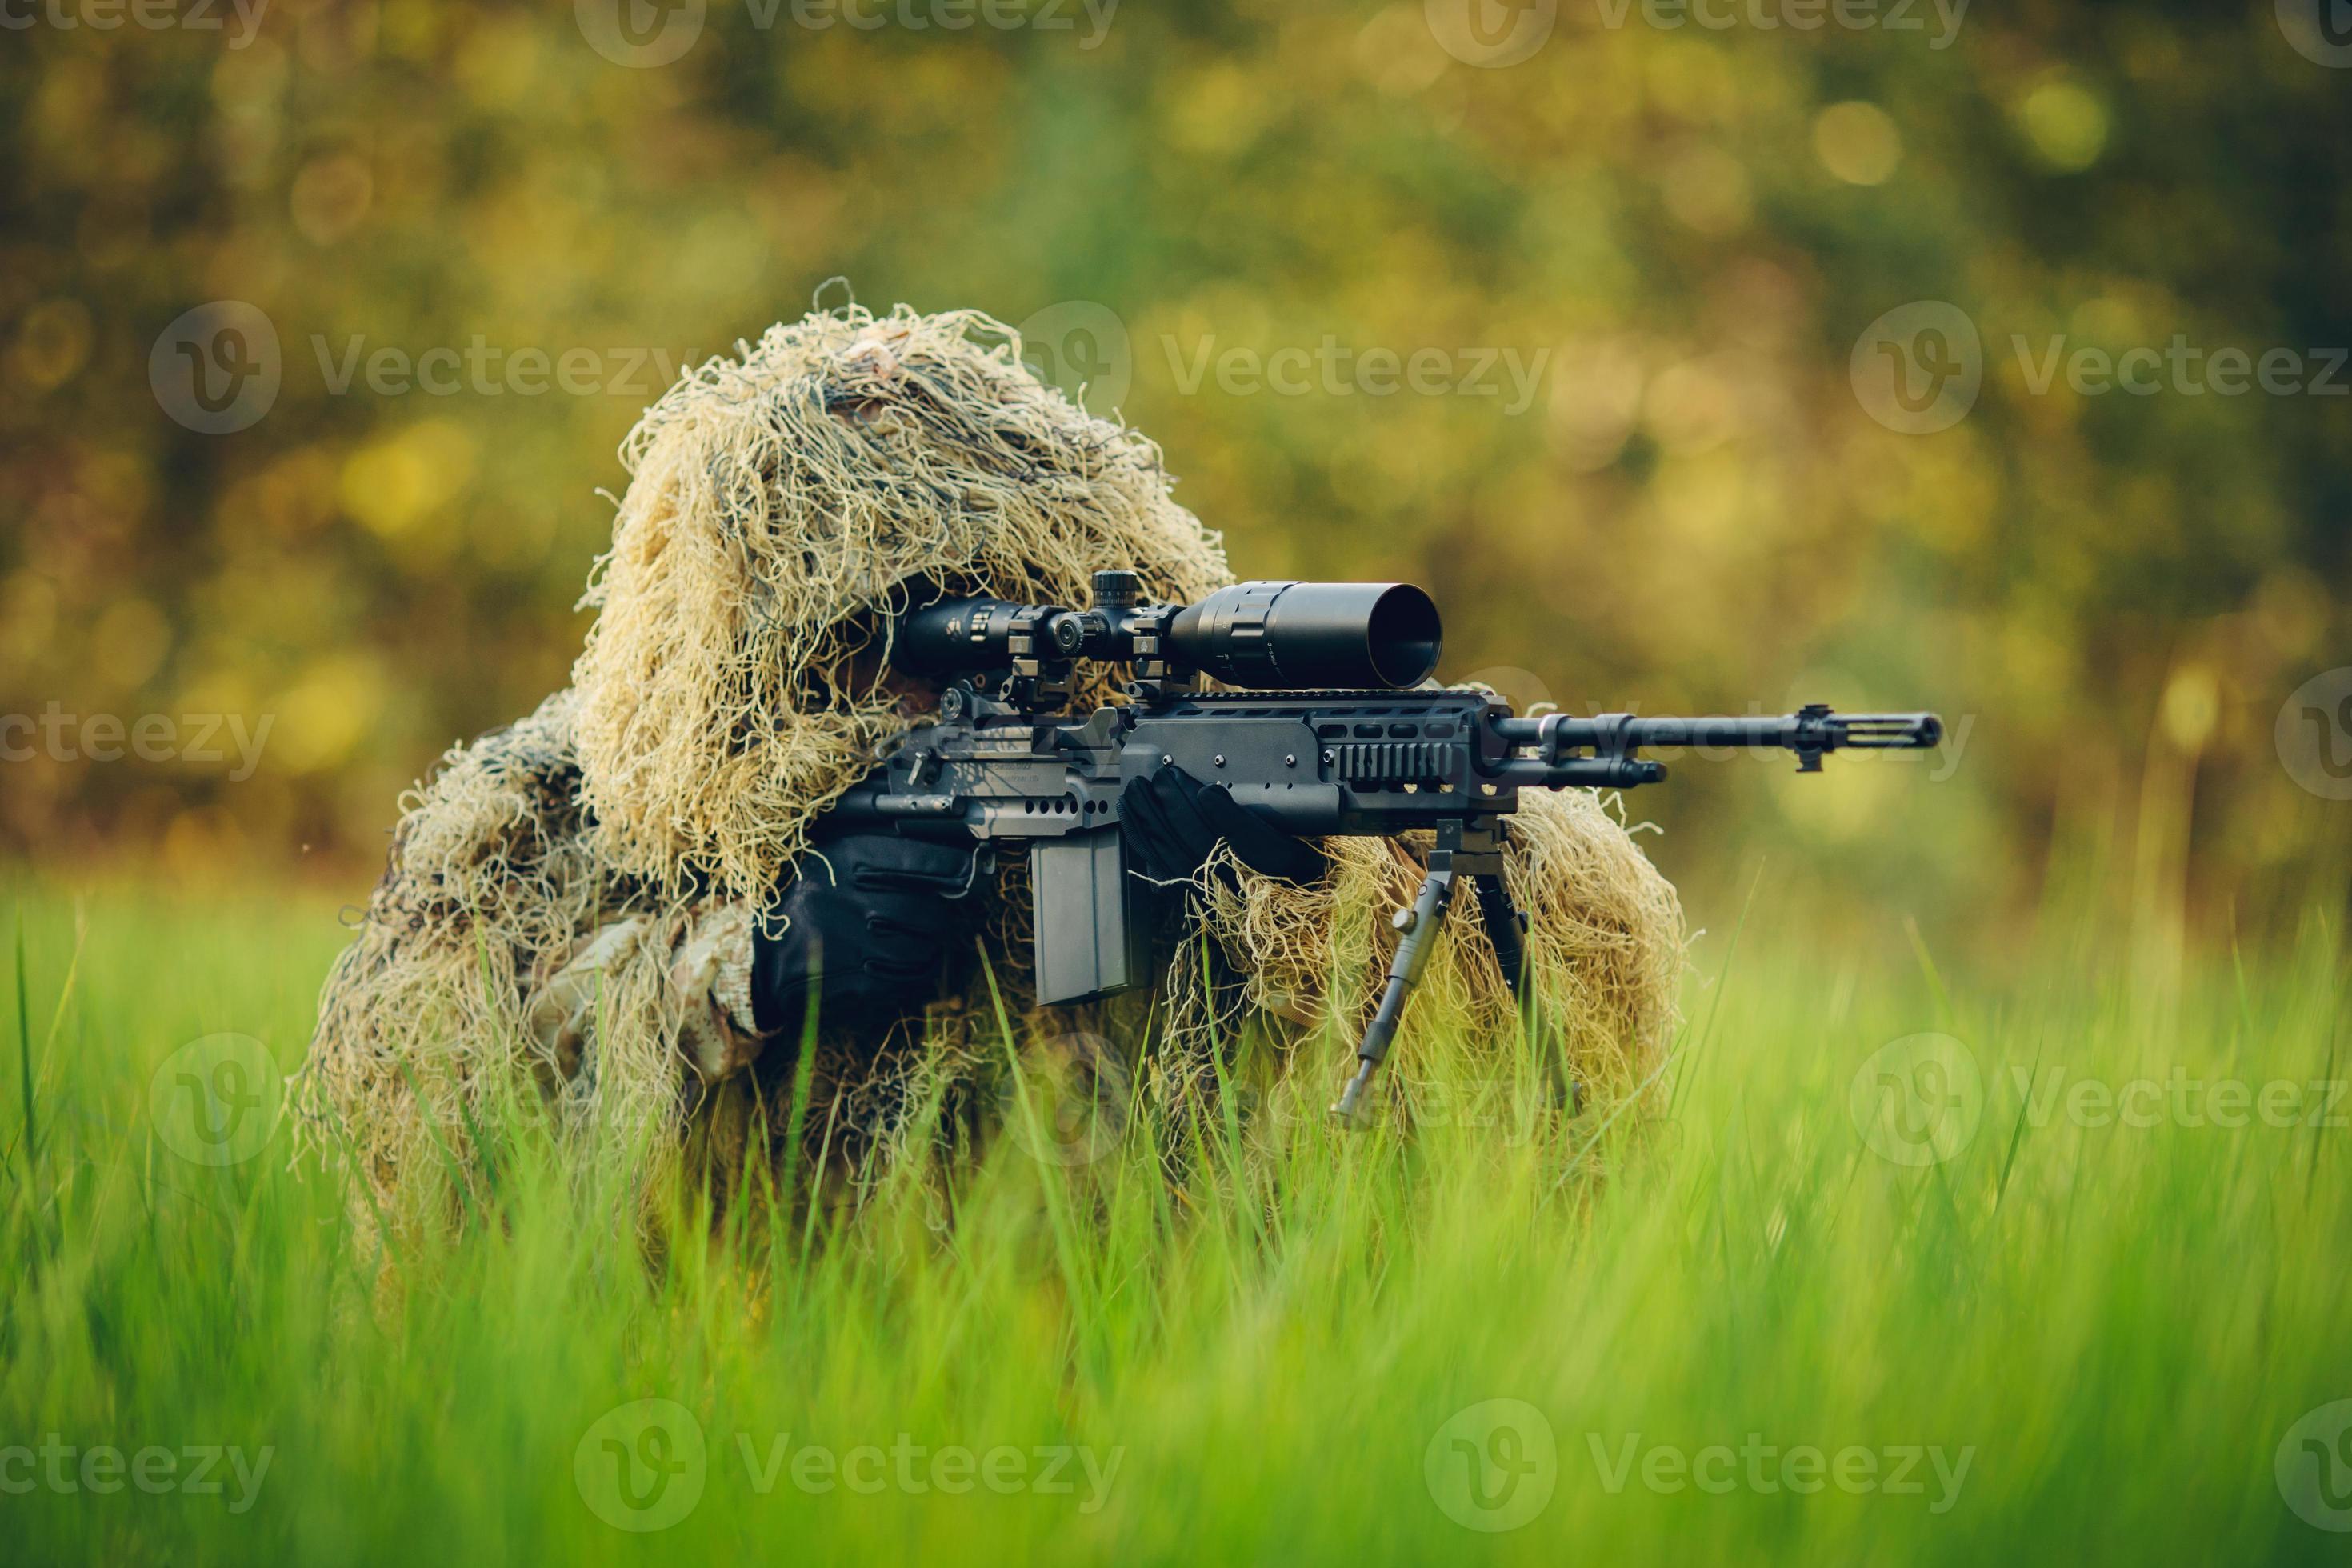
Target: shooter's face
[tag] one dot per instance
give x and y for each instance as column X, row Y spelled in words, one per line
column 868, row 671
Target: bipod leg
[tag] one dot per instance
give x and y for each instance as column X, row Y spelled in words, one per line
column 1507, row 929
column 1420, row 924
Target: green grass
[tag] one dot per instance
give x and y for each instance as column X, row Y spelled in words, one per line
column 2117, row 1325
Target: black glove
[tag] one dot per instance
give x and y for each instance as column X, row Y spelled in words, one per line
column 1172, row 823
column 869, row 929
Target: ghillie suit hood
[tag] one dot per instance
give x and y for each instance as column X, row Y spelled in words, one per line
column 782, row 503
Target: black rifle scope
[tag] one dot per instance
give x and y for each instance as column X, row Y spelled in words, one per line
column 1288, row 636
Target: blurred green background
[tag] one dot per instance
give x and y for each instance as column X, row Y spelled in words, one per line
column 1642, row 465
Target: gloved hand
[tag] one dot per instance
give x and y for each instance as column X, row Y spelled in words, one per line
column 867, row 928
column 1172, row 823
column 704, row 954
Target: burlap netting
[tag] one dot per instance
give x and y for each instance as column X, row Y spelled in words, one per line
column 729, row 691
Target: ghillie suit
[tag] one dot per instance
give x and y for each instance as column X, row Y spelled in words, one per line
column 558, row 908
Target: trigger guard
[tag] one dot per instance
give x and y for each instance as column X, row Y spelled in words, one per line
column 982, row 863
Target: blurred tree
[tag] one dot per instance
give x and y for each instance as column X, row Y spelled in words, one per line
column 1572, row 340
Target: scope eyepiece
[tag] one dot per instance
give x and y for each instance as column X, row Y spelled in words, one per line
column 957, row 636
column 1295, row 636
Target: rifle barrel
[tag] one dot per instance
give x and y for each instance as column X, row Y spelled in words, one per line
column 1603, row 749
